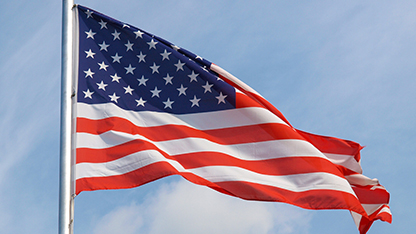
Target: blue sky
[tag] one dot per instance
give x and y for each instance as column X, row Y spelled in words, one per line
column 344, row 69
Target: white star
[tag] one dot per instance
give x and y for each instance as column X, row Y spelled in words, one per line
column 221, row 98
column 182, row 90
column 116, row 35
column 152, row 44
column 155, row 92
column 103, row 66
column 165, row 55
column 90, row 34
column 89, row 14
column 154, row 68
column 207, row 87
column 126, row 26
column 103, row 24
column 102, row 85
column 142, row 81
column 128, row 90
column 129, row 69
column 195, row 101
column 193, row 76
column 90, row 54
column 168, row 79
column 141, row 57
column 129, row 46
column 198, row 57
column 115, row 78
column 140, row 102
column 139, row 34
column 179, row 65
column 89, row 73
column 103, row 46
column 114, row 97
column 168, row 103
column 88, row 94
column 116, row 58
column 175, row 47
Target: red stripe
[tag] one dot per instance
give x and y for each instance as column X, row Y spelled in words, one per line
column 368, row 195
column 233, row 135
column 277, row 166
column 333, row 145
column 345, row 171
column 129, row 180
column 88, row 155
column 255, row 100
column 312, row 199
column 242, row 100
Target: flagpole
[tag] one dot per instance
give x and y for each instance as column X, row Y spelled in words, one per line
column 65, row 179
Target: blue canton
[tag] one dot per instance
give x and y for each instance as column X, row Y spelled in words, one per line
column 138, row 71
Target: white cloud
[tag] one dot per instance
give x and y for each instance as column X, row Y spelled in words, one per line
column 182, row 207
column 126, row 220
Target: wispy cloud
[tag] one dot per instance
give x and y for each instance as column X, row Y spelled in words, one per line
column 29, row 97
column 28, row 102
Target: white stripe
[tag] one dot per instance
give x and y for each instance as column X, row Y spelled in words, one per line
column 371, row 208
column 232, row 78
column 202, row 121
column 347, row 161
column 357, row 218
column 247, row 151
column 123, row 165
column 360, row 179
column 385, row 210
column 296, row 183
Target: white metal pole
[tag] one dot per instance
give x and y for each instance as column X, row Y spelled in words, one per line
column 65, row 180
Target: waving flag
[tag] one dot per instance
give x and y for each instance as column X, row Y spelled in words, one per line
column 147, row 109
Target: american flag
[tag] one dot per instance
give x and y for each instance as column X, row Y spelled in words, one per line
column 147, row 109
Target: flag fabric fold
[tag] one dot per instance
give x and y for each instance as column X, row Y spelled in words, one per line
column 147, row 109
